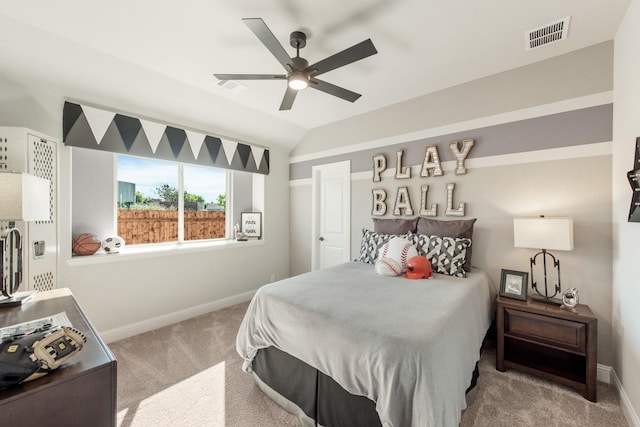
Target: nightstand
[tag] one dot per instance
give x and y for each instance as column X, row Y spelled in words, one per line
column 549, row 341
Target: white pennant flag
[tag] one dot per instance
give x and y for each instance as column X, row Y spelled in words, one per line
column 229, row 149
column 99, row 121
column 154, row 132
column 196, row 139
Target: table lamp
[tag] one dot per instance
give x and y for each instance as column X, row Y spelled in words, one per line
column 544, row 234
column 23, row 197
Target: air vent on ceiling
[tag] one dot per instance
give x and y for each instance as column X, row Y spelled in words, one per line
column 232, row 85
column 546, row 34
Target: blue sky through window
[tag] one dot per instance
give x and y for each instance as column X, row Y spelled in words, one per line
column 149, row 174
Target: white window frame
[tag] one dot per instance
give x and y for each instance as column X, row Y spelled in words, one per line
column 180, row 241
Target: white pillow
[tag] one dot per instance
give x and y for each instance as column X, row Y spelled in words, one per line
column 388, row 267
column 400, row 250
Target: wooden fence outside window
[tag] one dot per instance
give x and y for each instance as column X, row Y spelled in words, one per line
column 156, row 226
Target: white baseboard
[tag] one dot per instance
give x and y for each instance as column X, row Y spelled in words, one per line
column 627, row 408
column 607, row 375
column 147, row 325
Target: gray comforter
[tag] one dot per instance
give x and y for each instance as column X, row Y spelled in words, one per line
column 408, row 345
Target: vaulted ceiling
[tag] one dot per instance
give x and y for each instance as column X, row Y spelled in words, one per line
column 159, row 56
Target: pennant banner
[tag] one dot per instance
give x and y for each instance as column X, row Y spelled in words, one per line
column 90, row 127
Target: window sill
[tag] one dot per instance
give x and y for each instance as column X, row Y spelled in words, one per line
column 158, row 250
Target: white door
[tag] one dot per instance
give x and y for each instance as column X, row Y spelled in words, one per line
column 331, row 214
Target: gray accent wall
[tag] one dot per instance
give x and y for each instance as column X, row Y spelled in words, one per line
column 570, row 128
column 579, row 73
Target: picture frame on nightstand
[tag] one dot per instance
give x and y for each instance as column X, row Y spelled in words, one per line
column 514, row 284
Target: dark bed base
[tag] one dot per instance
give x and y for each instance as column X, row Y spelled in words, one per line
column 316, row 394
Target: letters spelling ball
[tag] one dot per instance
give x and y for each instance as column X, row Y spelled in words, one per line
column 85, row 244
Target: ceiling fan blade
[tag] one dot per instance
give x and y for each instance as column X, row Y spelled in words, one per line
column 347, row 56
column 334, row 90
column 250, row 76
column 289, row 97
column 267, row 38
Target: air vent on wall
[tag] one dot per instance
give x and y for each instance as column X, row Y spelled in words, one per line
column 546, row 34
column 232, row 85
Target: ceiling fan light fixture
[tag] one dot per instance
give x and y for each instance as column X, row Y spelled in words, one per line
column 298, row 80
column 299, row 74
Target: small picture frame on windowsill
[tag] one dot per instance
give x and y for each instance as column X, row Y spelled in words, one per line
column 514, row 284
column 251, row 224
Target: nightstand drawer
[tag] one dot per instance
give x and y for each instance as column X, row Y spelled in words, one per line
column 550, row 330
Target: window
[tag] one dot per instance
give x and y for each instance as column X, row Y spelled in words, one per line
column 100, row 192
column 104, row 185
column 161, row 201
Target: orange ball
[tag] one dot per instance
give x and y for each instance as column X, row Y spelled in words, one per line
column 85, row 244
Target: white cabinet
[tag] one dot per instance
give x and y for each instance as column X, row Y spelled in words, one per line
column 24, row 150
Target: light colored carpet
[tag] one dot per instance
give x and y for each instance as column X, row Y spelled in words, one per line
column 513, row 398
column 189, row 374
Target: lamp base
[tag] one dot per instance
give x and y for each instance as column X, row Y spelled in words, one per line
column 545, row 300
column 17, row 300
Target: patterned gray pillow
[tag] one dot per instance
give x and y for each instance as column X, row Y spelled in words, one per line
column 448, row 228
column 371, row 244
column 447, row 255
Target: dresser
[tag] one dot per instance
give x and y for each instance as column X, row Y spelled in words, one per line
column 81, row 392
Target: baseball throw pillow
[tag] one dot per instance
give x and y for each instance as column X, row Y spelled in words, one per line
column 400, row 250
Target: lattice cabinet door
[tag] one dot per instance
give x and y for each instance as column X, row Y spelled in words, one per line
column 24, row 150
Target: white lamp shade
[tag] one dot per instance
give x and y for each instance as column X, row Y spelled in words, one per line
column 24, row 197
column 543, row 233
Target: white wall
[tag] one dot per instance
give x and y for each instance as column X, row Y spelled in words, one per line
column 115, row 294
column 92, row 188
column 626, row 236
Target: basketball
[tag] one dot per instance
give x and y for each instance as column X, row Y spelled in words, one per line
column 85, row 244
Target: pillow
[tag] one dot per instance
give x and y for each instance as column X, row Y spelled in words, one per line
column 398, row 249
column 371, row 244
column 388, row 267
column 395, row 226
column 451, row 228
column 447, row 255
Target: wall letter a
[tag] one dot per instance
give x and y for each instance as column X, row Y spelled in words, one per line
column 403, row 202
column 431, row 161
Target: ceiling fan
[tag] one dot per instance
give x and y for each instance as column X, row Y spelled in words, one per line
column 300, row 74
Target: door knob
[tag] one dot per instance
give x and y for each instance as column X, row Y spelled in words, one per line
column 321, row 239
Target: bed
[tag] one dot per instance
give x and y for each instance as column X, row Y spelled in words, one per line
column 406, row 348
